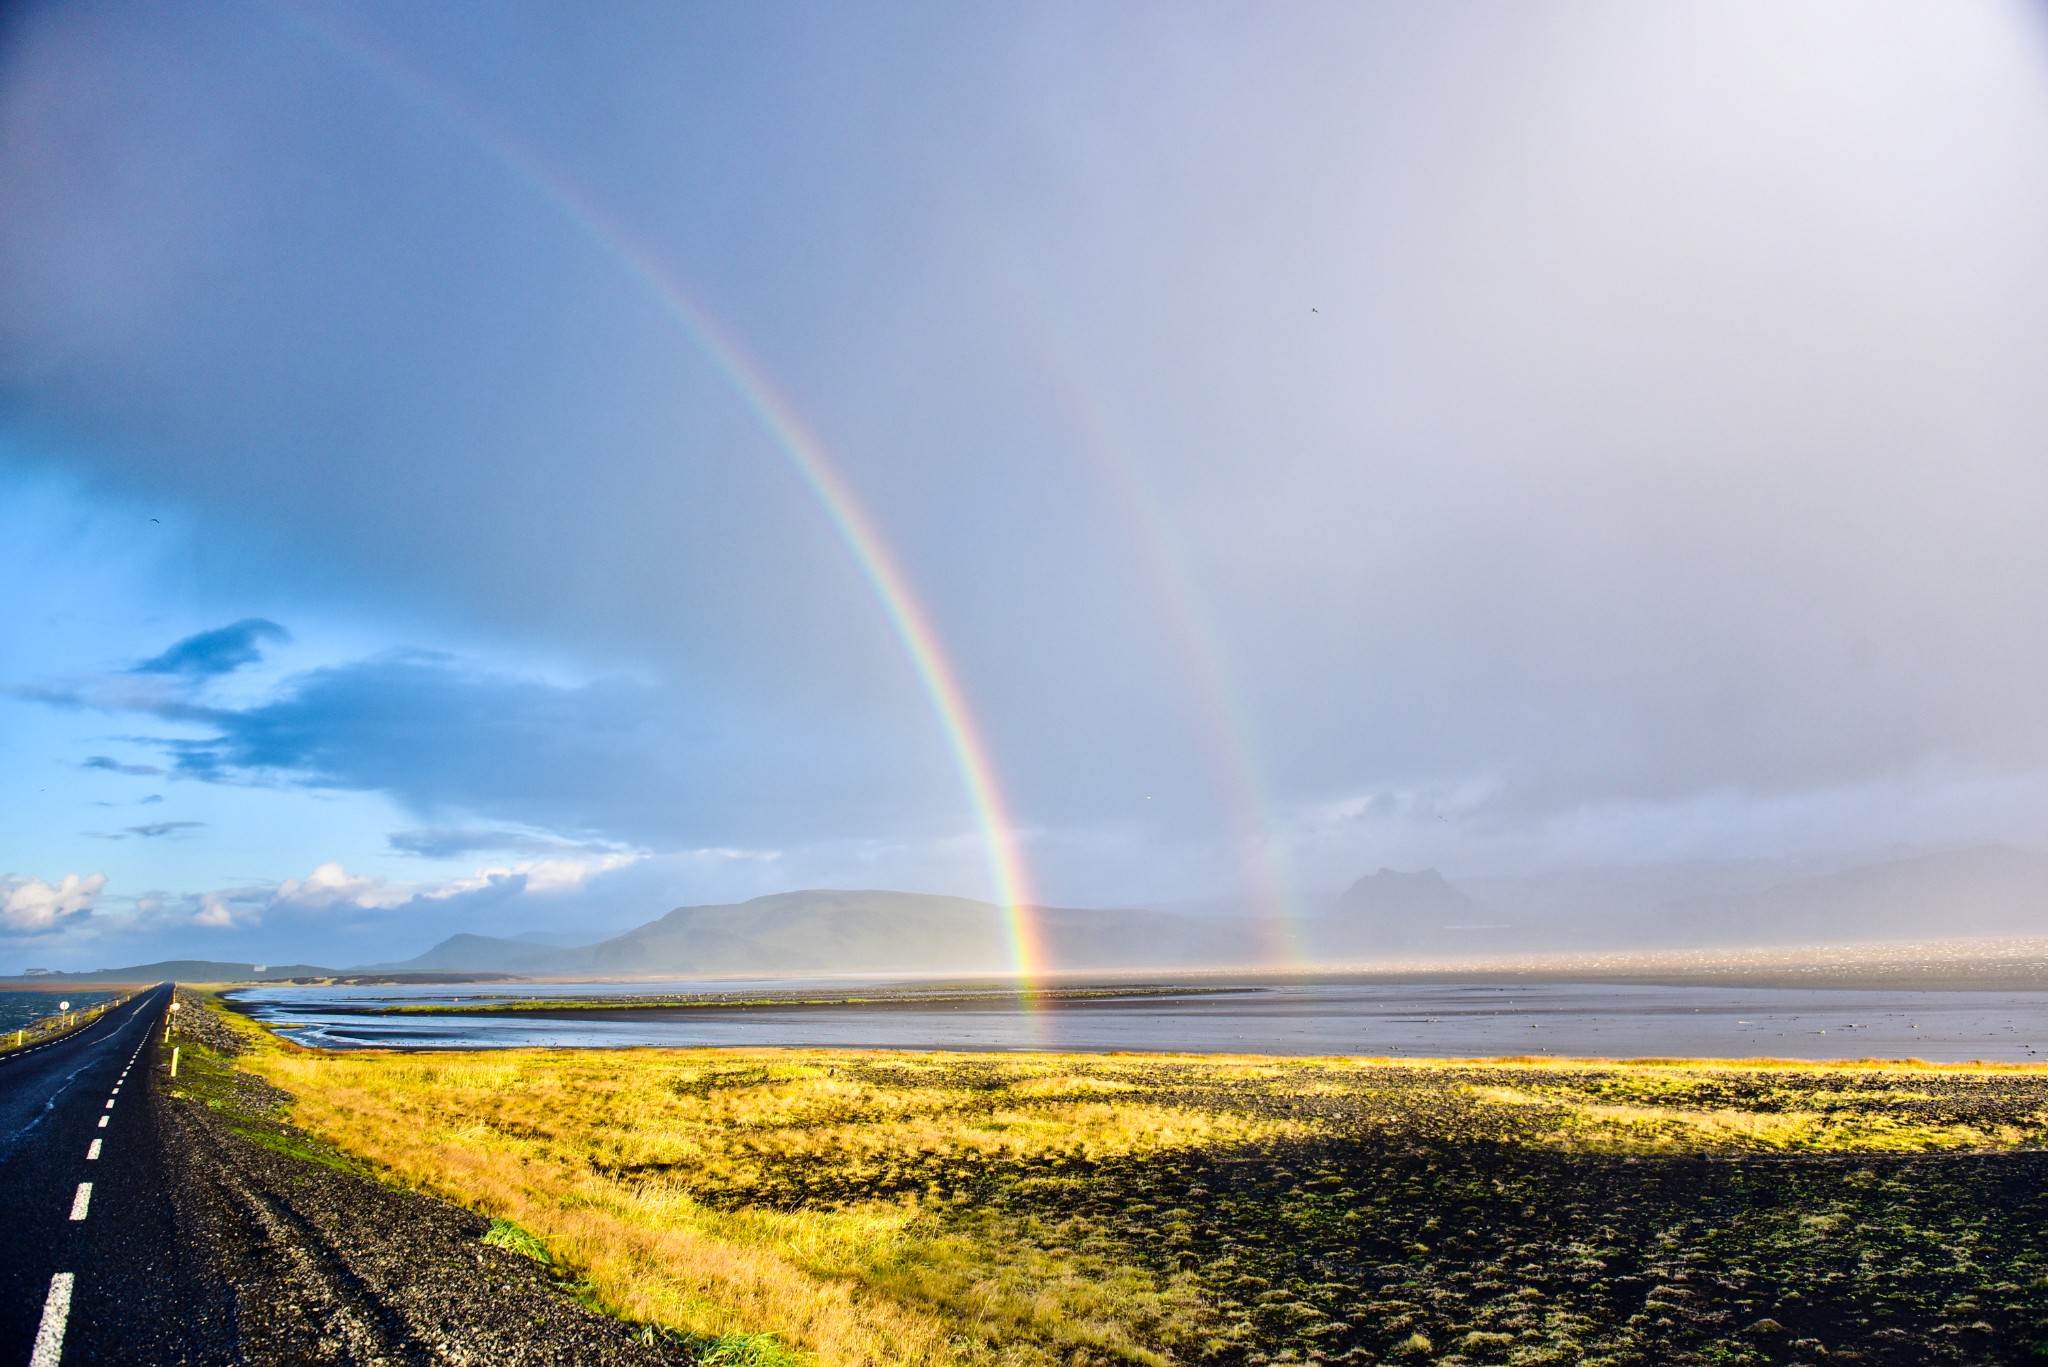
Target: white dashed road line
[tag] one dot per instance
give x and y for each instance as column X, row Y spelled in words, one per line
column 110, row 1103
column 103, row 1121
column 49, row 1349
column 93, row 1152
column 81, row 1201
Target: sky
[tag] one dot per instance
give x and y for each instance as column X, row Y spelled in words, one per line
column 522, row 468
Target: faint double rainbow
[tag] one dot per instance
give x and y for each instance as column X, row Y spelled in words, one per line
column 778, row 418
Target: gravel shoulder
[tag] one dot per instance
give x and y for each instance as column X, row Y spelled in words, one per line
column 321, row 1263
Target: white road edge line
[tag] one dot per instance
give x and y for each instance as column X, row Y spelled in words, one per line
column 93, row 1152
column 82, row 1201
column 49, row 1349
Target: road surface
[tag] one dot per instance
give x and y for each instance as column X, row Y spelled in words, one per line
column 91, row 1268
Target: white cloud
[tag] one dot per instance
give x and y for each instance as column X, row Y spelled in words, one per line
column 31, row 906
column 330, row 885
column 331, row 888
column 219, row 911
column 544, row 875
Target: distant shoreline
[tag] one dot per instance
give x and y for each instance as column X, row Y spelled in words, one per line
column 882, row 998
column 2002, row 965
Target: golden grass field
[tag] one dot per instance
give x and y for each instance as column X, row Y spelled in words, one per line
column 887, row 1208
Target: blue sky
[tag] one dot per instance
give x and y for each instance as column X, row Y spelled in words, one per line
column 1497, row 436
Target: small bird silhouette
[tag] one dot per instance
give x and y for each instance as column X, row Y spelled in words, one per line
column 155, row 519
column 1314, row 309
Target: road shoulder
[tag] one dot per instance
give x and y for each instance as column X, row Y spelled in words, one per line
column 323, row 1263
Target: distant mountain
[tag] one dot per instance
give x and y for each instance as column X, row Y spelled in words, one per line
column 1982, row 892
column 555, row 937
column 824, row 930
column 1390, row 914
column 486, row 954
column 836, row 931
column 1596, row 900
column 1985, row 891
column 180, row 970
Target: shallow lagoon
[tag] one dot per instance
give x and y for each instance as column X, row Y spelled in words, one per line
column 1413, row 1020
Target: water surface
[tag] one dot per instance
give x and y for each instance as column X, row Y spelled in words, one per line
column 21, row 1008
column 1420, row 1020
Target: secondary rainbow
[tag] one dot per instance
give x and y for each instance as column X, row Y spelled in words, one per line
column 805, row 453
column 1226, row 730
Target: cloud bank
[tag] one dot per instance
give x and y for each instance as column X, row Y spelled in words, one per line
column 32, row 906
column 331, row 893
column 439, row 734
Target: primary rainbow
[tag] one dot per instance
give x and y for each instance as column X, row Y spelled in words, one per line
column 798, row 445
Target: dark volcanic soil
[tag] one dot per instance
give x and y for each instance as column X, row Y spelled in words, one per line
column 323, row 1264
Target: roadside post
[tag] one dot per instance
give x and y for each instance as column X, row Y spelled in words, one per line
column 65, row 1007
column 174, row 1060
column 167, row 1025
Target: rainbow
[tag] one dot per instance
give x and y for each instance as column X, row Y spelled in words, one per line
column 1228, row 732
column 786, row 430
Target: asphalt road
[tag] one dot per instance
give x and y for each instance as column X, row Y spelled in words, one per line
column 91, row 1266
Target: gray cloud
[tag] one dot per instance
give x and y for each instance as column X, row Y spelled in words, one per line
column 438, row 736
column 453, row 844
column 114, row 766
column 618, row 759
column 158, row 828
column 220, row 651
column 148, row 831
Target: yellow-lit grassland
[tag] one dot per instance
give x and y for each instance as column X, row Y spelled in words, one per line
column 888, row 1208
column 829, row 1199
